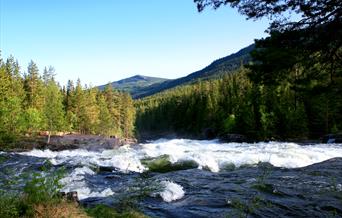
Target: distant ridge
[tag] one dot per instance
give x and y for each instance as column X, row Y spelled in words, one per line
column 135, row 83
column 142, row 86
column 219, row 67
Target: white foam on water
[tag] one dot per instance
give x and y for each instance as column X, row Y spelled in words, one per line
column 339, row 187
column 210, row 155
column 84, row 192
column 171, row 191
column 75, row 182
column 214, row 155
column 76, row 176
column 124, row 159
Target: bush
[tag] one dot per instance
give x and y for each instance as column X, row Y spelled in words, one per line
column 9, row 205
column 41, row 189
column 6, row 138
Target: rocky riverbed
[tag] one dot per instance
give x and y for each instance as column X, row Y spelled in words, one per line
column 192, row 178
column 68, row 142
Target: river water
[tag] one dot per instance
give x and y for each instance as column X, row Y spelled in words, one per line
column 192, row 178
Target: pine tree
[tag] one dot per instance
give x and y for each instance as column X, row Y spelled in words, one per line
column 79, row 107
column 53, row 108
column 70, row 106
column 127, row 115
column 113, row 104
column 34, row 87
column 105, row 125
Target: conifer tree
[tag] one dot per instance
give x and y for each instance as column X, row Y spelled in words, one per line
column 105, row 125
column 53, row 108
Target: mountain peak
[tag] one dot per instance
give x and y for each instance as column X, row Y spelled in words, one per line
column 133, row 83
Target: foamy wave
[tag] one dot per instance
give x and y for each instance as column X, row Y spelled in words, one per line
column 171, row 192
column 75, row 182
column 84, row 192
column 213, row 155
column 210, row 155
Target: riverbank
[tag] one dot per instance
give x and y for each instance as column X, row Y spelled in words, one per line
column 98, row 142
column 66, row 142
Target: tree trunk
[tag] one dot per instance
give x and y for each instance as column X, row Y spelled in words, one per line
column 48, row 140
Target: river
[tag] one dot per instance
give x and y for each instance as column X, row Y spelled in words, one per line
column 193, row 178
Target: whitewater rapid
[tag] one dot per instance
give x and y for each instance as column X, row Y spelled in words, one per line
column 207, row 155
column 211, row 155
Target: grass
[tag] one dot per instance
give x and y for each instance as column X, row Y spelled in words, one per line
column 244, row 209
column 103, row 211
column 41, row 199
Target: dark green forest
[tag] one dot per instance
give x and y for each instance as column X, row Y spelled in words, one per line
column 235, row 104
column 291, row 89
column 30, row 103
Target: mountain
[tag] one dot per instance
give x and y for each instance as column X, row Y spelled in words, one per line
column 142, row 86
column 134, row 84
column 215, row 69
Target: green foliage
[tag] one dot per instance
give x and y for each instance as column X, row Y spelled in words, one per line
column 9, row 205
column 41, row 188
column 229, row 123
column 6, row 138
column 34, row 103
column 305, row 54
column 231, row 104
column 34, row 120
column 53, row 107
column 246, row 208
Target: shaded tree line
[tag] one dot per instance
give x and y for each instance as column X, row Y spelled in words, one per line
column 305, row 51
column 31, row 102
column 290, row 89
column 236, row 104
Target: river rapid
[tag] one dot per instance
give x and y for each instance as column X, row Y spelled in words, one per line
column 193, row 178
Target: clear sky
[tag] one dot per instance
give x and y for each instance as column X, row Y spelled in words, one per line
column 106, row 40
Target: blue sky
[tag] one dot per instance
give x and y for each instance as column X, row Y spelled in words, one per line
column 106, row 40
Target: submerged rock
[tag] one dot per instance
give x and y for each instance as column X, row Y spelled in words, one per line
column 209, row 133
column 162, row 164
column 332, row 138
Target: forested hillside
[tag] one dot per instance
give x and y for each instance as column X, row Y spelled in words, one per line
column 235, row 104
column 30, row 102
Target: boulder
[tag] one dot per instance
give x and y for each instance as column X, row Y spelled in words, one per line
column 70, row 196
column 209, row 133
column 332, row 138
column 44, row 133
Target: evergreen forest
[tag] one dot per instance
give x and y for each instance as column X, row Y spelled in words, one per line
column 291, row 89
column 31, row 102
column 234, row 104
